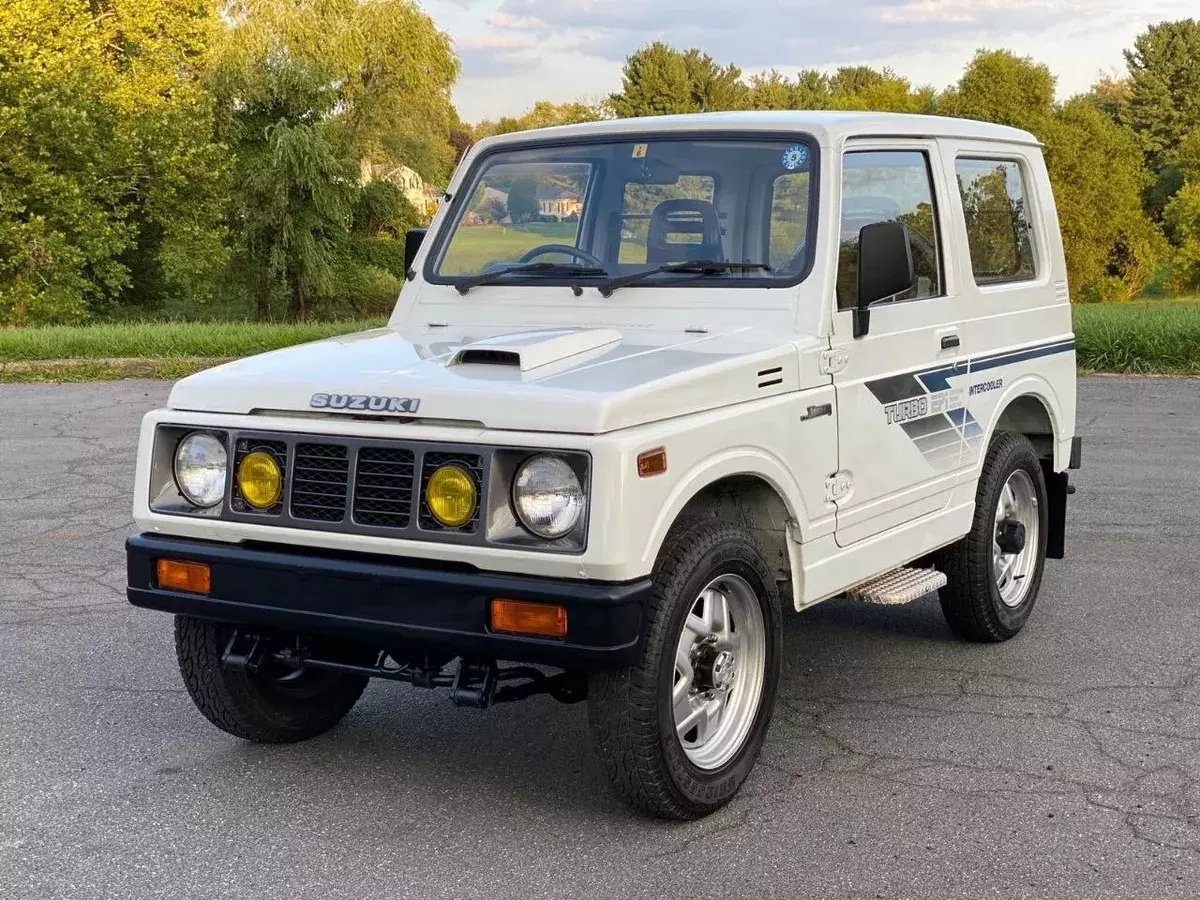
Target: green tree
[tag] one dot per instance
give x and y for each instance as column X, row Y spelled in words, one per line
column 774, row 90
column 1111, row 245
column 391, row 68
column 307, row 93
column 1182, row 216
column 110, row 185
column 864, row 88
column 294, row 185
column 999, row 86
column 542, row 114
column 522, row 200
column 1164, row 77
column 659, row 80
column 1111, row 96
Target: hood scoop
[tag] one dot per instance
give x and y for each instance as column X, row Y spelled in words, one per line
column 532, row 349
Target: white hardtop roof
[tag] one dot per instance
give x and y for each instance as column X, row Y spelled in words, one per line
column 829, row 128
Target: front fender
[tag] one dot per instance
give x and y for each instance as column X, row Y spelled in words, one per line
column 734, row 461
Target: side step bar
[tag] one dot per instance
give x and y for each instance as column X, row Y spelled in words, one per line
column 903, row 585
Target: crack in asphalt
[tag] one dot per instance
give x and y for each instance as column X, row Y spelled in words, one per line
column 900, row 762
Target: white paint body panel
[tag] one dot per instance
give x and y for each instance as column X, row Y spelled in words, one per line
column 679, row 368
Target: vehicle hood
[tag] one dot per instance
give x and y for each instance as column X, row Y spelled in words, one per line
column 579, row 380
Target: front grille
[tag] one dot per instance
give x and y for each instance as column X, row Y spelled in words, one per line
column 383, row 487
column 320, row 477
column 243, row 448
column 362, row 485
column 473, row 464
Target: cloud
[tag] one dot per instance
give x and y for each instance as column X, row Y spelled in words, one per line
column 500, row 19
column 493, row 42
column 566, row 49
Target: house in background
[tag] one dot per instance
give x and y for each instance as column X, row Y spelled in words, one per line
column 423, row 197
column 555, row 204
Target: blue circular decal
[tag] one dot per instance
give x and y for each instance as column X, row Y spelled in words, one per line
column 795, row 156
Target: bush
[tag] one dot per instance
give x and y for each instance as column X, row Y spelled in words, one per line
column 1183, row 219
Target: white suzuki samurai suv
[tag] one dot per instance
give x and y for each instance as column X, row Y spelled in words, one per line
column 648, row 383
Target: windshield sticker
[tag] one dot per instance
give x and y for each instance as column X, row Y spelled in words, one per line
column 639, row 151
column 795, row 156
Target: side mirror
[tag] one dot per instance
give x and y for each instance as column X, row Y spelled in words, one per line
column 885, row 268
column 412, row 243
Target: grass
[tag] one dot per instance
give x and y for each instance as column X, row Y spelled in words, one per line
column 1159, row 337
column 1149, row 337
column 164, row 340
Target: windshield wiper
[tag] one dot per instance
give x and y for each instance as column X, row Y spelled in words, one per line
column 699, row 266
column 542, row 268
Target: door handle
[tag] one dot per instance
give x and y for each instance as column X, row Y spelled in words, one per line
column 815, row 412
column 949, row 341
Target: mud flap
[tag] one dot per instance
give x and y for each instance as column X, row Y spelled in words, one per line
column 1057, row 489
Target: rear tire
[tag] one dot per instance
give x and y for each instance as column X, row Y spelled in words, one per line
column 990, row 593
column 679, row 732
column 265, row 707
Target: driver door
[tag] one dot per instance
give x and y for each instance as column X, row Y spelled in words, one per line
column 899, row 444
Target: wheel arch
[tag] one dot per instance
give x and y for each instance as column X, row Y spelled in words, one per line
column 1030, row 407
column 755, row 490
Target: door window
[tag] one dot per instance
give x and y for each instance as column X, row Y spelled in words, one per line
column 998, row 222
column 889, row 186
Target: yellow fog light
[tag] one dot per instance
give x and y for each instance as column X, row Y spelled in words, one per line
column 259, row 479
column 450, row 495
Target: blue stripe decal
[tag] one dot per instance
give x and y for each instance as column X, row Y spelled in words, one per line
column 1005, row 359
column 938, row 379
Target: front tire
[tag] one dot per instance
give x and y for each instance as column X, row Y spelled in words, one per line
column 994, row 573
column 268, row 707
column 679, row 732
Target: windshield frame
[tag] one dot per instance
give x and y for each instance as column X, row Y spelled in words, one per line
column 457, row 208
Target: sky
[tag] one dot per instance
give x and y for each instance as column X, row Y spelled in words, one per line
column 515, row 52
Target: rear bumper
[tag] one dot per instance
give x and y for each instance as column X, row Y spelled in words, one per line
column 387, row 603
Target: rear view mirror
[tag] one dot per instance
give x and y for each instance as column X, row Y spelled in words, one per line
column 412, row 243
column 885, row 268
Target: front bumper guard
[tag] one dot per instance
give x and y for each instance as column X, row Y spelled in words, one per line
column 404, row 606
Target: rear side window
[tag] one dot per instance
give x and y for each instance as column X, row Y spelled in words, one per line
column 889, row 186
column 999, row 230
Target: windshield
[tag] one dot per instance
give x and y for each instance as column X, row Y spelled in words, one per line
column 597, row 210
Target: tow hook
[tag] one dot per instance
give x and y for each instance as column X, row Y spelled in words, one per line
column 476, row 683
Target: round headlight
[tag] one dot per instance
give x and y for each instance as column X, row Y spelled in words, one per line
column 547, row 496
column 200, row 466
column 450, row 495
column 259, row 479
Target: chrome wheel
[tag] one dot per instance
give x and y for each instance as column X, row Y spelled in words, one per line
column 720, row 664
column 1016, row 539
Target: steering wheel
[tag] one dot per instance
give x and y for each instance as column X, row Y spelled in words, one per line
column 574, row 252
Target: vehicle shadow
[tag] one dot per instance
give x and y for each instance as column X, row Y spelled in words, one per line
column 408, row 747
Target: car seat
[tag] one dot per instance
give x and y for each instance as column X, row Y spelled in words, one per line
column 683, row 217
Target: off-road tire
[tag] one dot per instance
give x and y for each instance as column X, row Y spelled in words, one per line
column 629, row 709
column 970, row 601
column 255, row 706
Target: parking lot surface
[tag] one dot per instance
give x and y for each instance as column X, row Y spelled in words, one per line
column 901, row 763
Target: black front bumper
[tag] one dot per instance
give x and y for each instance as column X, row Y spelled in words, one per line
column 388, row 603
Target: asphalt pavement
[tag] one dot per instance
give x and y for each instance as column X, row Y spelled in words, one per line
column 902, row 763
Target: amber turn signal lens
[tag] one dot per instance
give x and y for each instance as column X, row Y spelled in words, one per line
column 652, row 462
column 192, row 577
column 523, row 617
